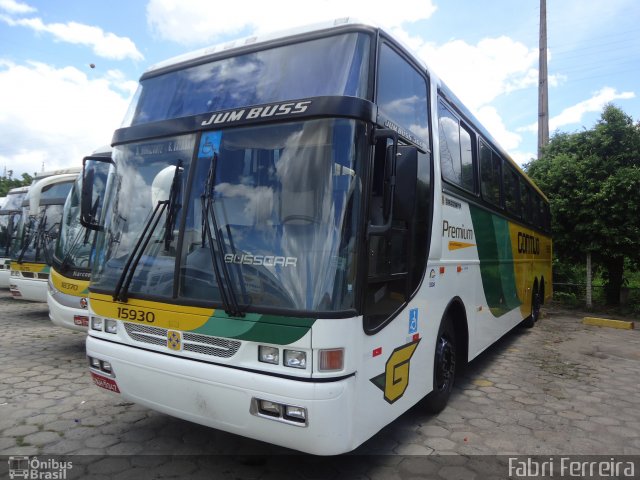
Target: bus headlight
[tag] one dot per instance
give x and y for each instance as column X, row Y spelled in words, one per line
column 295, row 359
column 96, row 323
column 110, row 326
column 268, row 354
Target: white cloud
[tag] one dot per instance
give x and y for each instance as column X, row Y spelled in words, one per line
column 16, row 8
column 573, row 115
column 478, row 74
column 201, row 22
column 104, row 44
column 59, row 124
column 492, row 121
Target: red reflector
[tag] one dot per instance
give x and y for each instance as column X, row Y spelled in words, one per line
column 441, row 270
column 459, row 268
column 416, row 337
column 81, row 320
column 377, row 351
column 104, row 382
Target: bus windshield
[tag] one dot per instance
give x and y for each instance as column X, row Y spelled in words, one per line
column 37, row 234
column 74, row 245
column 335, row 65
column 270, row 216
column 9, row 220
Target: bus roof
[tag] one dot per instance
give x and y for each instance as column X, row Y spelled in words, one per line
column 256, row 40
column 59, row 171
column 339, row 23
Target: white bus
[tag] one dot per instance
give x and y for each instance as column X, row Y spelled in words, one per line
column 303, row 236
column 9, row 220
column 36, row 234
column 68, row 283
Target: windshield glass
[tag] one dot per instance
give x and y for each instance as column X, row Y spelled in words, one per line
column 73, row 247
column 329, row 66
column 9, row 220
column 140, row 182
column 37, row 234
column 282, row 204
column 37, row 238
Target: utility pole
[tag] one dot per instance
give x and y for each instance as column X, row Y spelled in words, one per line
column 543, row 86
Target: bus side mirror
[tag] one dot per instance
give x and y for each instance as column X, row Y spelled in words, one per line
column 95, row 171
column 406, row 175
column 383, row 181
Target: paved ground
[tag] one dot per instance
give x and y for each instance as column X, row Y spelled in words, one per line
column 561, row 388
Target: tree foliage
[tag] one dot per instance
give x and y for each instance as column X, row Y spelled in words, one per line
column 592, row 179
column 7, row 182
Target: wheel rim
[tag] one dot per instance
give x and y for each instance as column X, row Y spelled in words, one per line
column 445, row 364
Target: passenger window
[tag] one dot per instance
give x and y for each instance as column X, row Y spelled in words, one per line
column 456, row 154
column 490, row 173
column 466, row 158
column 402, row 93
column 511, row 190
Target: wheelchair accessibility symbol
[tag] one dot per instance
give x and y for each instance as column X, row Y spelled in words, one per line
column 413, row 321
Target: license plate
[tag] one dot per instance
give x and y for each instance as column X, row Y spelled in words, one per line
column 104, row 382
column 81, row 321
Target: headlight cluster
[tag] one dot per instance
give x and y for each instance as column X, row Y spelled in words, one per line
column 291, row 358
column 107, row 325
column 101, row 365
column 329, row 360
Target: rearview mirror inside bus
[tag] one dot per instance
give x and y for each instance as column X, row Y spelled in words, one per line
column 95, row 171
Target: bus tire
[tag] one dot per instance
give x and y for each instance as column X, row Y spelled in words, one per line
column 444, row 368
column 535, row 305
column 530, row 321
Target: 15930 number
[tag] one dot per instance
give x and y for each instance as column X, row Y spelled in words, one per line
column 136, row 315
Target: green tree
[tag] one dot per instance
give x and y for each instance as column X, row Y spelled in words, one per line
column 592, row 179
column 7, row 182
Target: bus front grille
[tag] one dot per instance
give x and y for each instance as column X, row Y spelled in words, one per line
column 191, row 342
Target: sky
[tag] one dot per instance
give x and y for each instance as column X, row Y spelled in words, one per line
column 68, row 69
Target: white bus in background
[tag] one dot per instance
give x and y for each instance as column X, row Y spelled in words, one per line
column 32, row 247
column 9, row 220
column 304, row 235
column 68, row 283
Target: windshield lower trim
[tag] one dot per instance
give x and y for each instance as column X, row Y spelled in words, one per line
column 316, row 107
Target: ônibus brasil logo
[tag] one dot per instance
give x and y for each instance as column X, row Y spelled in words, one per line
column 35, row 468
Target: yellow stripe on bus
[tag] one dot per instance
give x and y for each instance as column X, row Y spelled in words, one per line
column 156, row 314
column 70, row 286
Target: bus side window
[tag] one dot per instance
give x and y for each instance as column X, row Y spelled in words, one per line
column 511, row 190
column 456, row 151
column 490, row 175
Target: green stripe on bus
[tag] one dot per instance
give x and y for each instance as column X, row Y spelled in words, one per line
column 496, row 261
column 278, row 330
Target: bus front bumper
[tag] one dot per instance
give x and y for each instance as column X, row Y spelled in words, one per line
column 29, row 289
column 225, row 398
column 65, row 316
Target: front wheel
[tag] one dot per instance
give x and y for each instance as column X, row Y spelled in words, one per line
column 444, row 368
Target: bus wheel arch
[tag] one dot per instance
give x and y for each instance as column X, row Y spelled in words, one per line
column 450, row 355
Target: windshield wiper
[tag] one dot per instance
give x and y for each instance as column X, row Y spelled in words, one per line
column 27, row 242
column 216, row 245
column 124, row 282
